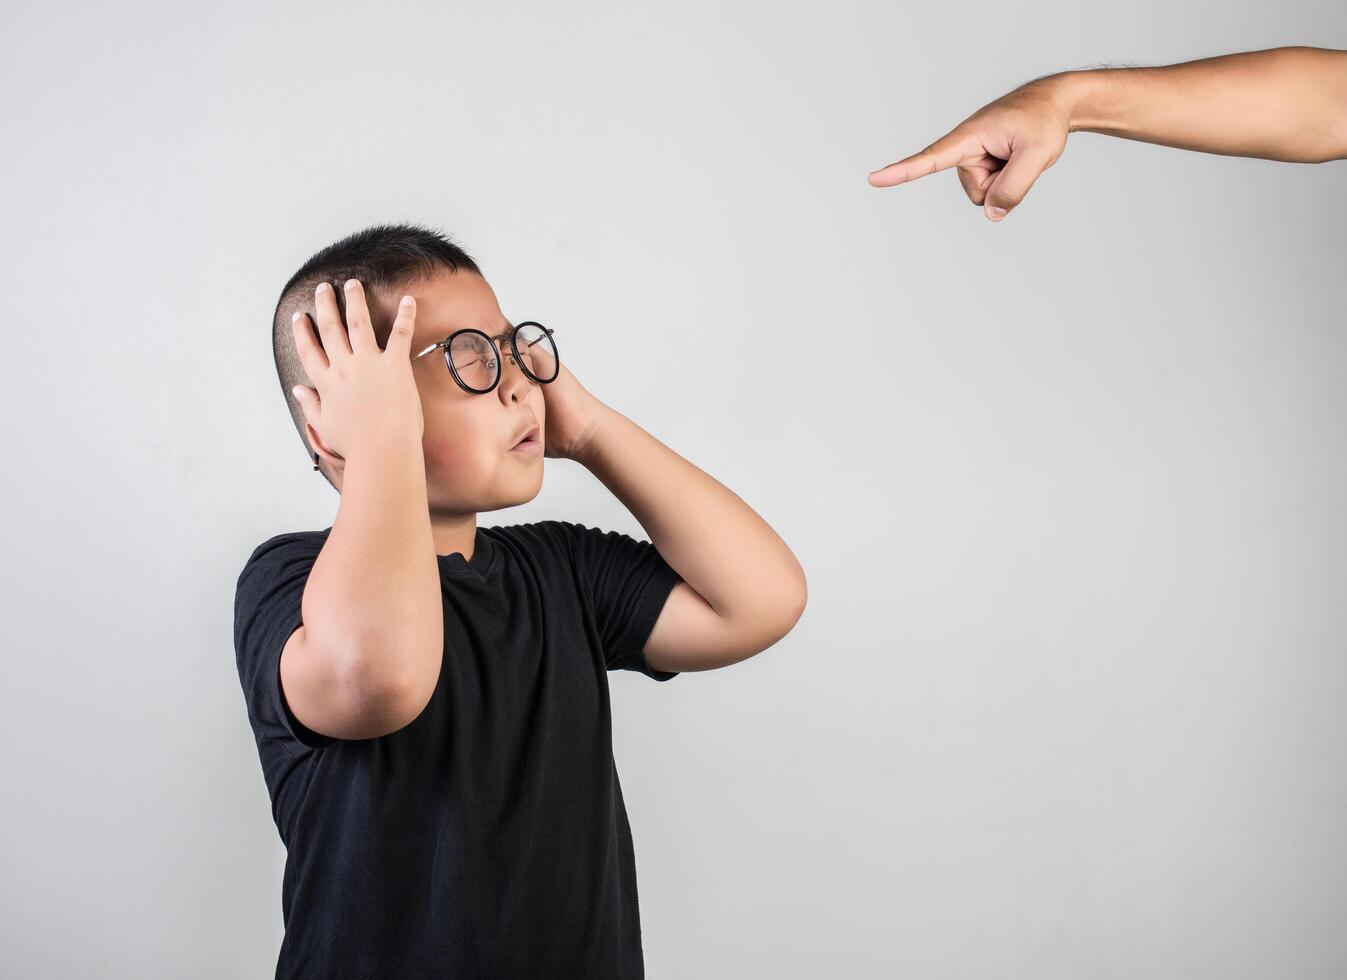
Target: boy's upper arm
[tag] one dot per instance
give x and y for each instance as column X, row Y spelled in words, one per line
column 293, row 693
column 690, row 635
column 651, row 620
column 627, row 584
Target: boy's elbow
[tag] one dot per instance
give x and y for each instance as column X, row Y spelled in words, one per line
column 785, row 613
column 392, row 696
column 795, row 603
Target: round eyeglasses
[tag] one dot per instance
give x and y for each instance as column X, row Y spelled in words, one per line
column 474, row 360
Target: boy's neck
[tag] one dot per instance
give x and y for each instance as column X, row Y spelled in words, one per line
column 454, row 533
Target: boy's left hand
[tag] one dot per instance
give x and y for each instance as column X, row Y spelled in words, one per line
column 572, row 416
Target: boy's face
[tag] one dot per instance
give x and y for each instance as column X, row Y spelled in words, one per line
column 471, row 466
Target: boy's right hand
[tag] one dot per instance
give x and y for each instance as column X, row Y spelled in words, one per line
column 364, row 397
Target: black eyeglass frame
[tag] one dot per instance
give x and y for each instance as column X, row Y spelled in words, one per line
column 447, row 343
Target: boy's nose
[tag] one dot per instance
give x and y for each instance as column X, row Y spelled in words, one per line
column 512, row 376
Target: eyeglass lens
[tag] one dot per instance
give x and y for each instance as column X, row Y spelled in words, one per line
column 476, row 359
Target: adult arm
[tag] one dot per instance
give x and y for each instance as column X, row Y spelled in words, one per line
column 1286, row 104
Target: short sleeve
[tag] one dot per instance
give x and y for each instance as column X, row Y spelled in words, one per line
column 266, row 611
column 627, row 583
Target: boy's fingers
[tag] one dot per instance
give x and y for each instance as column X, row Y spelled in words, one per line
column 308, row 403
column 306, row 345
column 404, row 324
column 329, row 322
column 358, row 327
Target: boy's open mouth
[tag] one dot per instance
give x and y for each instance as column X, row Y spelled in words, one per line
column 529, row 440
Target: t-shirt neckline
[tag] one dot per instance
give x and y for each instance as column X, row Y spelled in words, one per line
column 483, row 557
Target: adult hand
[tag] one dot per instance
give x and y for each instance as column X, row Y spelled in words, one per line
column 1276, row 104
column 999, row 151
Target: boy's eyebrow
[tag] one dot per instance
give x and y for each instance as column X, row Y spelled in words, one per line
column 504, row 335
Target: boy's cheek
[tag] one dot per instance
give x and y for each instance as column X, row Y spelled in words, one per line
column 441, row 460
column 452, row 466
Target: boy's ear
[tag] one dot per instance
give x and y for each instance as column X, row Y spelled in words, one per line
column 337, row 463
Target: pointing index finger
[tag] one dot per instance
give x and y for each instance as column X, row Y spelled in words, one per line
column 949, row 151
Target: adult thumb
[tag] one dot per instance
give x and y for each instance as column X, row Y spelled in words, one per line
column 1012, row 182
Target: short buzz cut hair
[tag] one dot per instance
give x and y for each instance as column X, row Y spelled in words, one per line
column 386, row 259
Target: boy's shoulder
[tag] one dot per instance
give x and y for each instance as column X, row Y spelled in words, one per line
column 286, row 544
column 585, row 548
column 552, row 533
column 574, row 539
column 284, row 538
column 550, row 527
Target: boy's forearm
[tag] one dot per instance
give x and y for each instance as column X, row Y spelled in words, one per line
column 372, row 600
column 1281, row 104
column 712, row 538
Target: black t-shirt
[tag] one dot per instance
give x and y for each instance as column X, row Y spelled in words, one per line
column 488, row 838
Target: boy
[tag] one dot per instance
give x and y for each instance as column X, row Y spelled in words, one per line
column 430, row 697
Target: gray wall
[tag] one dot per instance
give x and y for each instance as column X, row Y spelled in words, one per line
column 1068, row 699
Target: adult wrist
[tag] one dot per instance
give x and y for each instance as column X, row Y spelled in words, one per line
column 1091, row 99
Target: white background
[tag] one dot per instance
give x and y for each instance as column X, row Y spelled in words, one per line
column 1068, row 697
